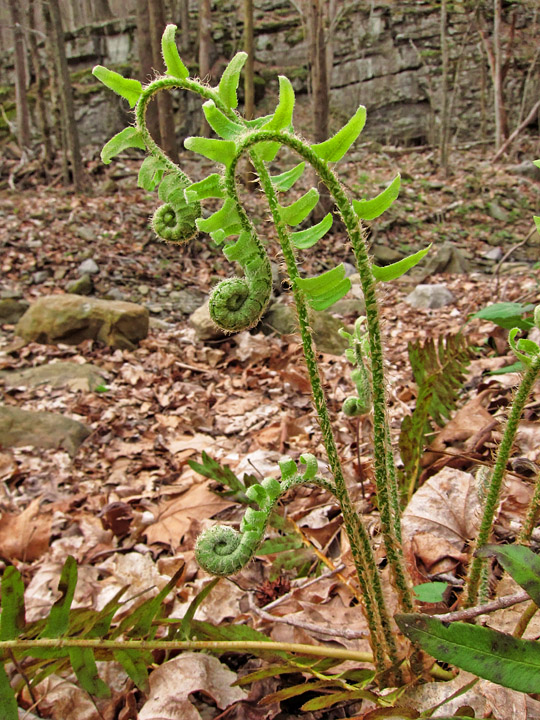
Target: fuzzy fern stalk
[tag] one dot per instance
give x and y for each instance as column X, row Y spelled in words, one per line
column 529, row 353
column 238, row 303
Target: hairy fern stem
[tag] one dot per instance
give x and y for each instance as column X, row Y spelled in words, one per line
column 496, row 480
column 386, row 489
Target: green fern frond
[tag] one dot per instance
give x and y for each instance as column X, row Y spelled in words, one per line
column 439, row 369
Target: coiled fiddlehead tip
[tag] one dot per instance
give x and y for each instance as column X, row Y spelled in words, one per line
column 234, row 305
column 355, row 406
column 174, row 224
column 223, row 551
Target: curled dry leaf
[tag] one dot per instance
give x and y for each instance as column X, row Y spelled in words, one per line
column 447, row 508
column 484, row 697
column 61, row 699
column 25, row 536
column 174, row 517
column 172, row 682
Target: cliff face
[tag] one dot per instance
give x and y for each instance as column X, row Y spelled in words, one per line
column 385, row 55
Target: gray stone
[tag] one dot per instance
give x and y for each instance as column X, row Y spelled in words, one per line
column 350, row 269
column 71, row 319
column 349, row 306
column 497, row 212
column 186, row 301
column 19, row 428
column 525, row 169
column 40, row 276
column 86, row 233
column 12, row 310
column 81, row 286
column 282, row 319
column 385, row 255
column 88, row 266
column 494, row 254
column 426, row 297
column 10, row 293
column 81, row 377
column 326, row 332
column 204, row 326
column 115, row 294
column 447, row 259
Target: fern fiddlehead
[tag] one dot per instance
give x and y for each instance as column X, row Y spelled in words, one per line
column 221, row 550
column 238, row 303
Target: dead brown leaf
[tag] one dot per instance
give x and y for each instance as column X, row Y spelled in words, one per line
column 25, row 536
column 447, row 508
column 175, row 516
column 172, row 682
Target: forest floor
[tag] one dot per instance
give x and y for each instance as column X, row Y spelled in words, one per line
column 129, row 507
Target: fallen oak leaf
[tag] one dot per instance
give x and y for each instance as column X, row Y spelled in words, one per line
column 25, row 536
column 172, row 683
column 174, row 517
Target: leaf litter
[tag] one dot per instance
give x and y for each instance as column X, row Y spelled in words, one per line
column 128, row 507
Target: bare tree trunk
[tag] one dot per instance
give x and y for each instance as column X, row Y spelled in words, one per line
column 444, row 127
column 164, row 101
column 66, row 96
column 497, row 75
column 494, row 55
column 58, row 124
column 319, row 77
column 205, row 49
column 319, row 89
column 43, row 121
column 184, row 24
column 23, row 115
column 144, row 43
column 249, row 87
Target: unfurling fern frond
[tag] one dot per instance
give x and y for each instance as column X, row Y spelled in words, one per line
column 439, row 371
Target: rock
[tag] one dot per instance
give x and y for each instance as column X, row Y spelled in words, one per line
column 10, row 294
column 60, row 273
column 495, row 254
column 86, row 233
column 40, row 277
column 115, row 294
column 81, row 286
column 281, row 318
column 12, row 310
column 88, row 266
column 40, row 429
column 186, row 301
column 385, row 255
column 85, row 377
column 447, row 259
column 349, row 306
column 525, row 169
column 426, row 297
column 71, row 319
column 204, row 326
column 326, row 332
column 497, row 212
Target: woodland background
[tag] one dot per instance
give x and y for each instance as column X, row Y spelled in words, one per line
column 452, row 92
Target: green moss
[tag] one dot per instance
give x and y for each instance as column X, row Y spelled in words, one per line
column 294, row 36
